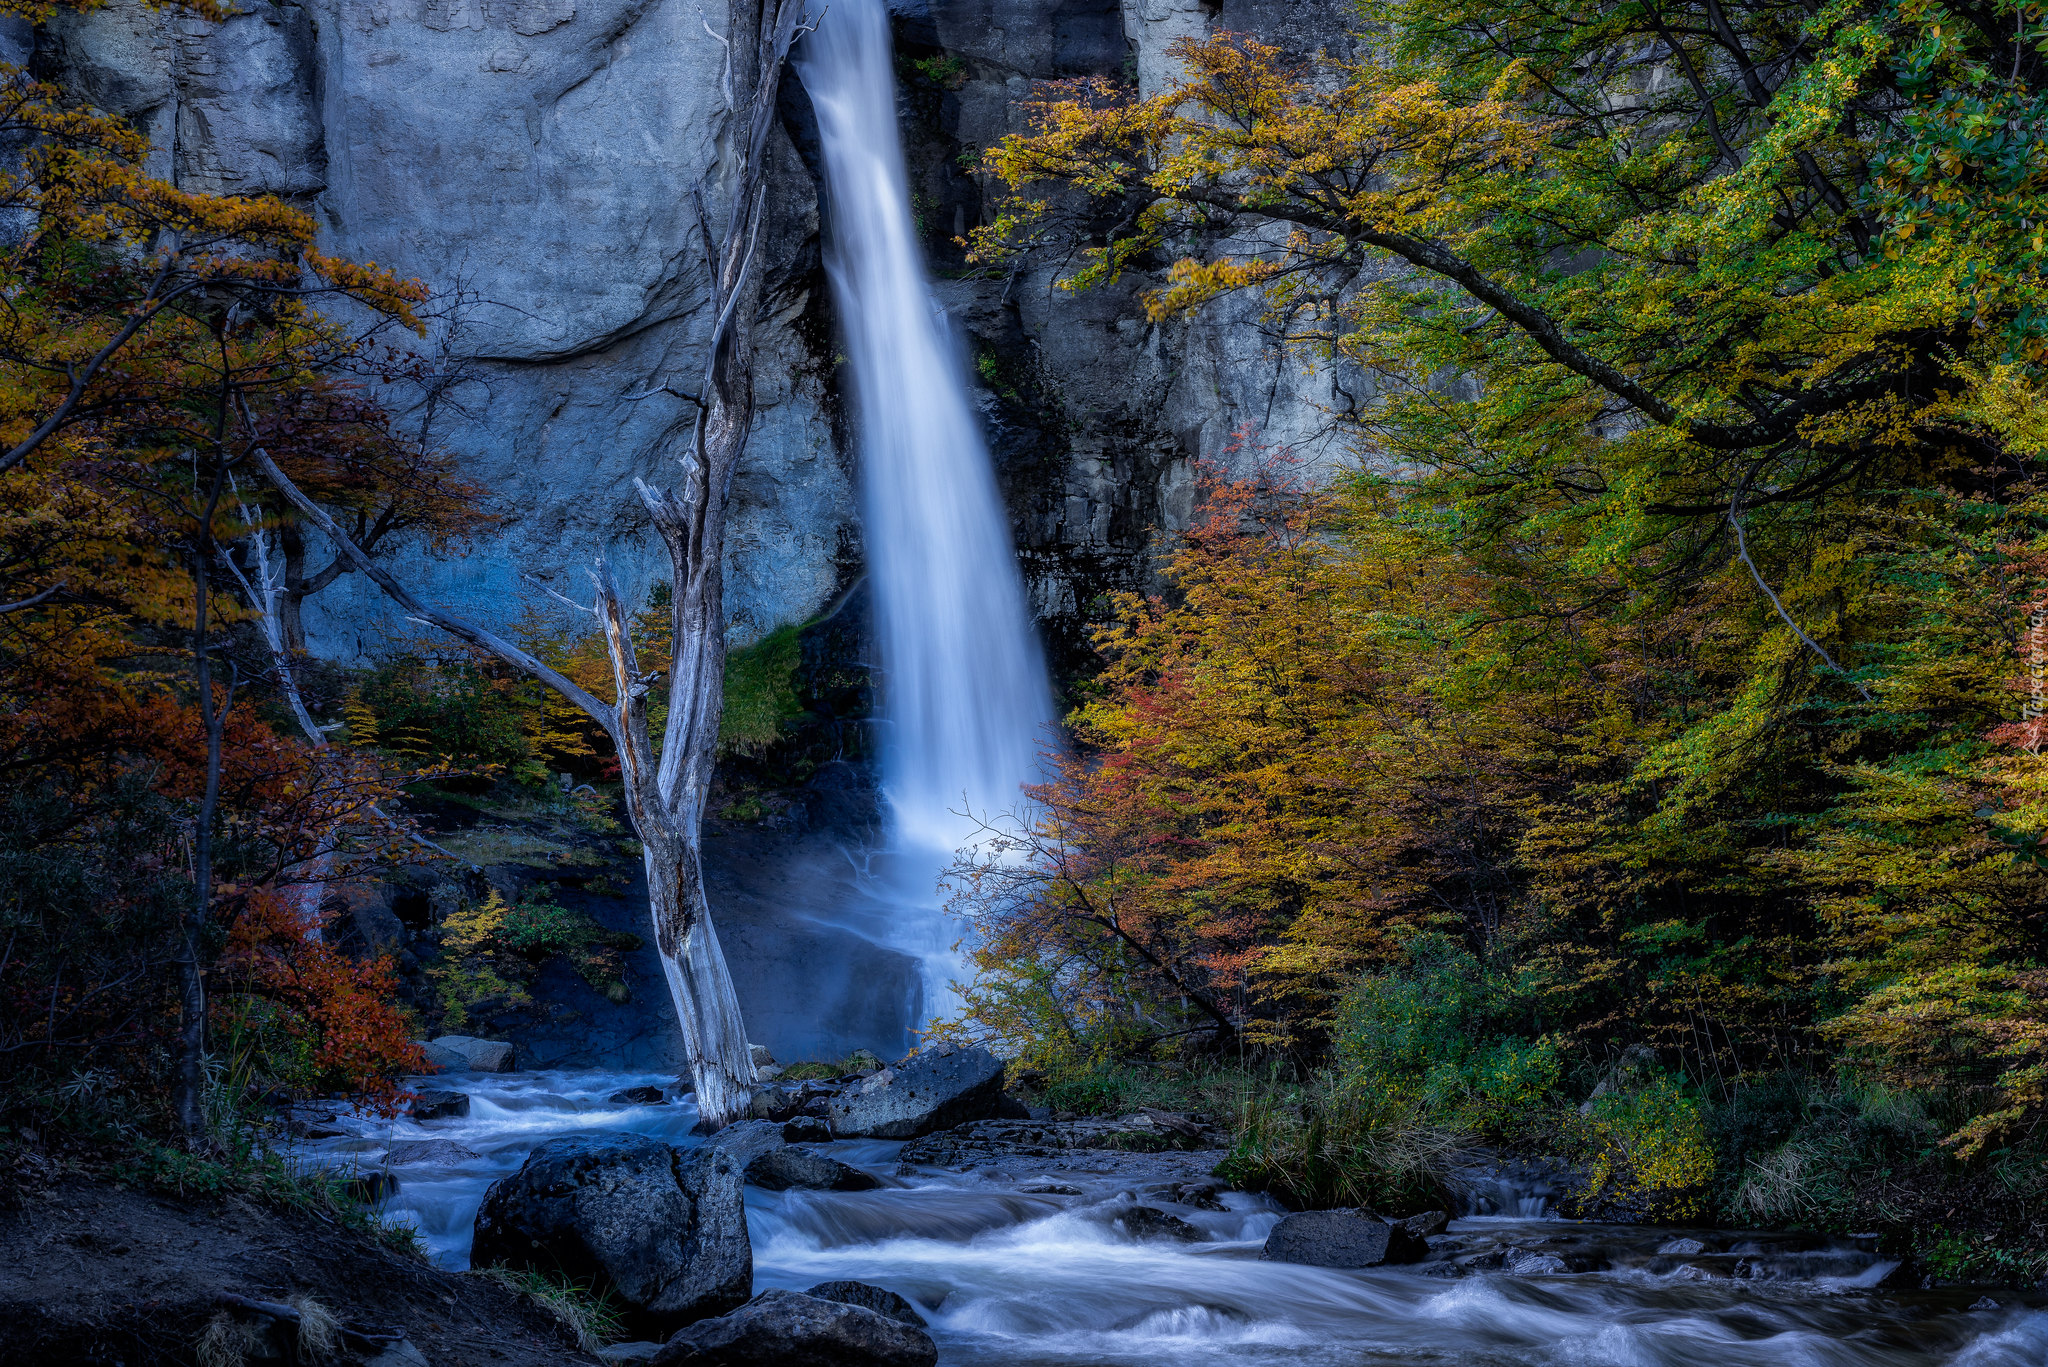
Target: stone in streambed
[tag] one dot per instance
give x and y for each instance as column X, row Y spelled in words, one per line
column 789, row 1329
column 662, row 1229
column 441, row 1060
column 481, row 1055
column 783, row 1168
column 1145, row 1222
column 440, row 1105
column 936, row 1089
column 638, row 1096
column 1341, row 1238
column 806, row 1129
column 1423, row 1225
column 878, row 1299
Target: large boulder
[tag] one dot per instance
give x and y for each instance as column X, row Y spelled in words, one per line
column 662, row 1229
column 441, row 1060
column 1341, row 1238
column 783, row 1168
column 481, row 1055
column 789, row 1329
column 935, row 1089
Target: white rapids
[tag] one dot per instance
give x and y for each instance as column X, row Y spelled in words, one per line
column 1009, row 1277
column 964, row 693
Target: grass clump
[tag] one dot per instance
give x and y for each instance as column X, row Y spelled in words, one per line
column 587, row 1313
column 811, row 1070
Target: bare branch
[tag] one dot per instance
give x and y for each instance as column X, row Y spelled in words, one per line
column 1742, row 550
column 42, row 597
column 598, row 710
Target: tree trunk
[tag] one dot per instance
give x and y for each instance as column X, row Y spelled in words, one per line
column 666, row 791
column 189, row 1085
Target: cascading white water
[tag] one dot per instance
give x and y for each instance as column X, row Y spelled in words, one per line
column 1034, row 1262
column 964, row 690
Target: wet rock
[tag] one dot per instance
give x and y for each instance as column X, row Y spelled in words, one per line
column 762, row 1058
column 1525, row 1262
column 662, row 1230
column 1050, row 1189
column 440, row 1105
column 480, row 1055
column 1011, row 1108
column 878, row 1299
column 638, row 1096
column 806, row 1129
column 1693, row 1272
column 934, row 1090
column 769, row 1073
column 1146, row 1222
column 863, row 1061
column 788, row 1329
column 1682, row 1248
column 429, row 1151
column 1423, row 1225
column 782, row 1168
column 1206, row 1194
column 1341, row 1238
column 1984, row 1303
column 443, row 1060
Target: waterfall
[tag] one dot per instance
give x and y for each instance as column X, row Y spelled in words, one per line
column 964, row 695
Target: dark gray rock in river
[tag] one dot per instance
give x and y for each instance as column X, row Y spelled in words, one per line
column 878, row 1299
column 788, row 1329
column 1341, row 1238
column 783, row 1168
column 807, row 1129
column 662, row 1229
column 638, row 1096
column 439, row 1105
column 939, row 1088
column 1146, row 1222
column 481, row 1055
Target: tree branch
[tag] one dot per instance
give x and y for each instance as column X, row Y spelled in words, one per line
column 598, row 710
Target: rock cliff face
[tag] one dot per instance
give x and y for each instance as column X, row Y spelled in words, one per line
column 537, row 162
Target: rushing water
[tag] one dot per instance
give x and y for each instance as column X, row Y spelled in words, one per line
column 964, row 692
column 1011, row 1277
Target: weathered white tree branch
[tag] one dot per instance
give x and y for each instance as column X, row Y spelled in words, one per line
column 666, row 787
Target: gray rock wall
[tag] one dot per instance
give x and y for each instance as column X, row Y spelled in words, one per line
column 534, row 161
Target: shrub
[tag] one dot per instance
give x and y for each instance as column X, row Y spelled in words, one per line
column 1649, row 1159
column 1337, row 1143
column 1428, row 1032
column 760, row 692
column 492, row 950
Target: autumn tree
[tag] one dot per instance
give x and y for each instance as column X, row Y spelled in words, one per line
column 145, row 325
column 1732, row 514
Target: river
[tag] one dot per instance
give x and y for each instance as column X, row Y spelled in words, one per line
column 1009, row 1277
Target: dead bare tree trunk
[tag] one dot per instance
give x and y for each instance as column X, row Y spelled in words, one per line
column 666, row 788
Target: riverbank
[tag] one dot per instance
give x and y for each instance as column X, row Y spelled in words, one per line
column 94, row 1271
column 1809, row 1156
